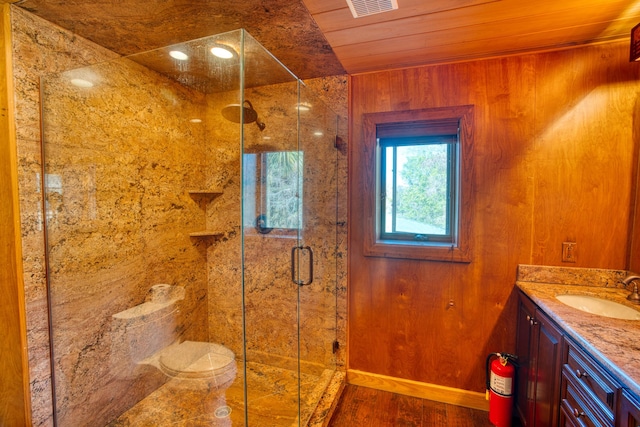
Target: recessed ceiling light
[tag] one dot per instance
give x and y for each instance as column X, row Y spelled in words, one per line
column 176, row 54
column 222, row 52
column 81, row 83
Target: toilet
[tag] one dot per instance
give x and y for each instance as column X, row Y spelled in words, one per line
column 148, row 335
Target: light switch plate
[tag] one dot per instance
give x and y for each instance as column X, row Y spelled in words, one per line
column 568, row 251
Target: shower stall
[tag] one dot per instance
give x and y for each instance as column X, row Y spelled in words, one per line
column 190, row 204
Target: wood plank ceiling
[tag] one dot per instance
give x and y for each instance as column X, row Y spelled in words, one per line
column 324, row 39
column 438, row 31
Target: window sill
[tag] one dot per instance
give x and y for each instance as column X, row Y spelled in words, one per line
column 419, row 250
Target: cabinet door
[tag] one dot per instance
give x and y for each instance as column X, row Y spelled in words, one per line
column 628, row 411
column 547, row 343
column 525, row 378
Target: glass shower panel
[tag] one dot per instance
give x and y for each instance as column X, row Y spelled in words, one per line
column 317, row 299
column 124, row 277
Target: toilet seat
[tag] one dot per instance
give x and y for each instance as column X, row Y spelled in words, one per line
column 198, row 360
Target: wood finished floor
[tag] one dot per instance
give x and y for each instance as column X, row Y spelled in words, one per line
column 361, row 406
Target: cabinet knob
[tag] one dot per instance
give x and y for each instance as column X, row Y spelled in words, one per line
column 532, row 320
column 577, row 413
column 581, row 374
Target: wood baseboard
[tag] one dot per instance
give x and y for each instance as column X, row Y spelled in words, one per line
column 438, row 393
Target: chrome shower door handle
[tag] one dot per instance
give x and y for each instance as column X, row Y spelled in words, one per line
column 295, row 261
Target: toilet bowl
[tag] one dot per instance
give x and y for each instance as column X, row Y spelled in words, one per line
column 195, row 364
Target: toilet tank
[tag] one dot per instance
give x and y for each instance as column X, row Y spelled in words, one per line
column 142, row 331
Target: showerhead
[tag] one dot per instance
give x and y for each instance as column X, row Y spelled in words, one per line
column 237, row 113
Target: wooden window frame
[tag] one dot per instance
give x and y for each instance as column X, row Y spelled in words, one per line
column 374, row 246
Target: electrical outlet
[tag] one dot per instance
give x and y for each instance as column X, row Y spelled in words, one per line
column 568, row 251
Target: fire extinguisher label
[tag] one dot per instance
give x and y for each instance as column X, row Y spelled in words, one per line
column 501, row 385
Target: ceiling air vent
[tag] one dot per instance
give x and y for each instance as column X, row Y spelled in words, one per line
column 360, row 8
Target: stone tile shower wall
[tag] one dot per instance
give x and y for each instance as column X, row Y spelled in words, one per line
column 120, row 157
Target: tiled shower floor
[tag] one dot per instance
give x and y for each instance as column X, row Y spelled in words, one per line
column 272, row 401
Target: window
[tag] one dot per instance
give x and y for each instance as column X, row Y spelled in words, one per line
column 282, row 184
column 418, row 196
column 420, row 191
column 272, row 190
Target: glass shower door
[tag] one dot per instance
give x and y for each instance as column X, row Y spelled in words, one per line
column 288, row 253
column 270, row 229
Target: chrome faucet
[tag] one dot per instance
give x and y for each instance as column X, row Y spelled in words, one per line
column 634, row 297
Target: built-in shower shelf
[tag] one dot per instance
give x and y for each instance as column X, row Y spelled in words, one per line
column 205, row 193
column 203, row 197
column 206, row 233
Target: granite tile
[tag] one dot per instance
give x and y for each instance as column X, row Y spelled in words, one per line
column 273, row 401
column 570, row 275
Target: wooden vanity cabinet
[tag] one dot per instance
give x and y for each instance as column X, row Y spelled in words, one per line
column 539, row 351
column 628, row 414
column 559, row 383
column 588, row 392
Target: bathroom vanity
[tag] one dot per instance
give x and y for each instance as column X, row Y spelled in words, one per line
column 576, row 368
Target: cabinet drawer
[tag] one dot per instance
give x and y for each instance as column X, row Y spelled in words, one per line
column 576, row 411
column 597, row 385
column 566, row 419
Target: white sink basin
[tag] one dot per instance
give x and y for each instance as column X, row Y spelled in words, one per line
column 599, row 306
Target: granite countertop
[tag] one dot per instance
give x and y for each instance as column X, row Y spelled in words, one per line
column 615, row 343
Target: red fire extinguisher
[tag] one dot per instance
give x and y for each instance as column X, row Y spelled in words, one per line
column 501, row 375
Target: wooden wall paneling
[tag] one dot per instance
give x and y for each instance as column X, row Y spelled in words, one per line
column 464, row 322
column 518, row 181
column 504, row 193
column 411, row 295
column 586, row 156
column 15, row 407
column 633, row 263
